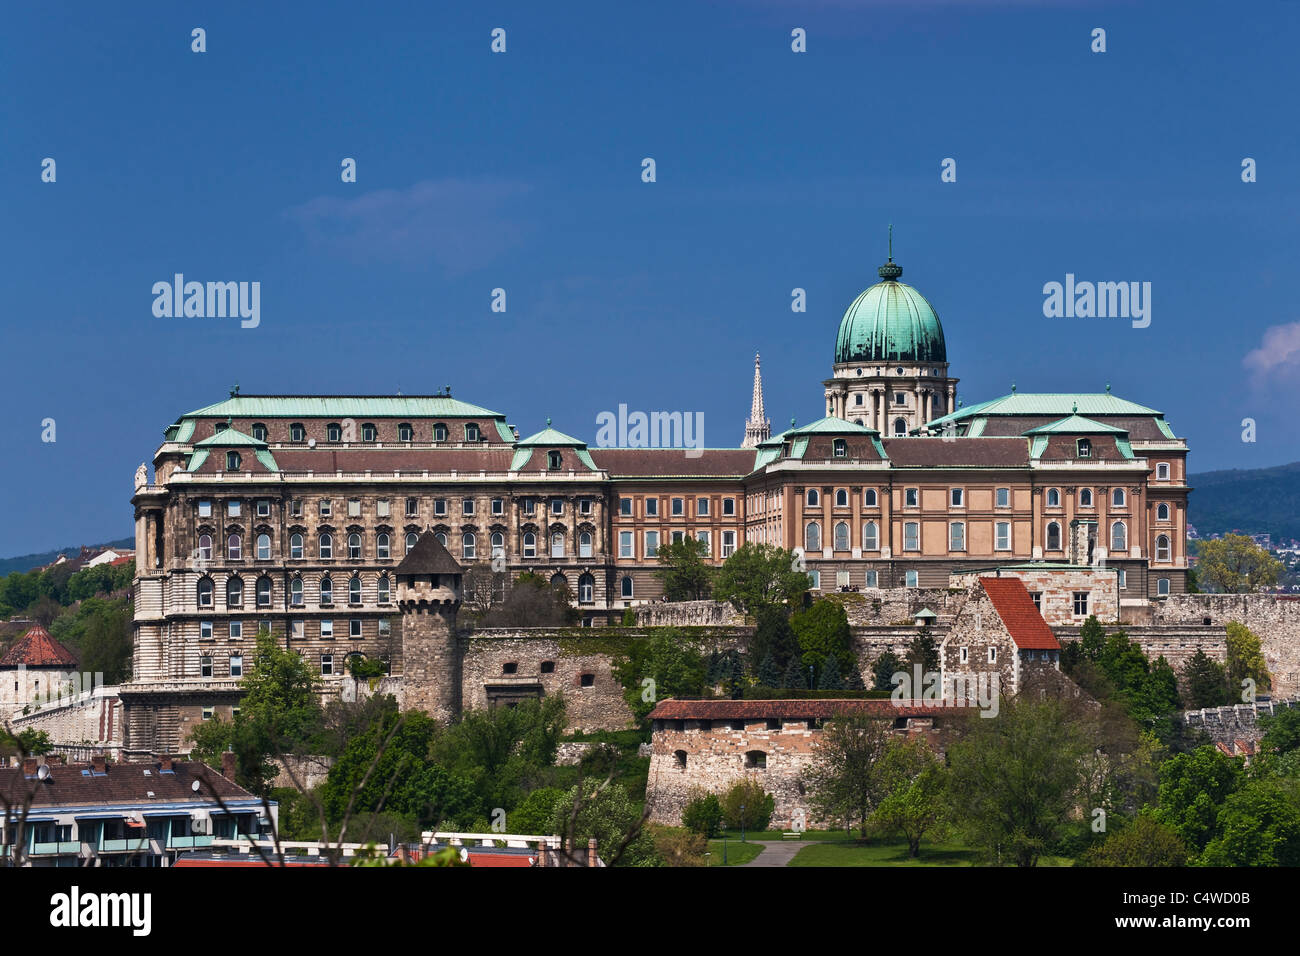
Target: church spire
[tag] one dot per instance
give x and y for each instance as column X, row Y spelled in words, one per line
column 757, row 427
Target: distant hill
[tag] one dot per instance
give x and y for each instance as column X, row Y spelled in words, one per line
column 1250, row 500
column 26, row 562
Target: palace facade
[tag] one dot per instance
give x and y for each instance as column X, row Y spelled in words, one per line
column 292, row 512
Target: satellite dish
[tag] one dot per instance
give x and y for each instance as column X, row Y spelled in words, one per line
column 195, row 786
column 43, row 772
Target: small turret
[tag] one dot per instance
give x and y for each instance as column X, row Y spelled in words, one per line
column 428, row 595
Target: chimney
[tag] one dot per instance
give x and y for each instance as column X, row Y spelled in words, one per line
column 98, row 765
column 29, row 766
column 228, row 765
column 165, row 763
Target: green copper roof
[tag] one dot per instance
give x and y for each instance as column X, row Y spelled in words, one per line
column 344, row 406
column 230, row 438
column 520, row 458
column 1049, row 403
column 829, row 426
column 196, row 460
column 890, row 322
column 1076, row 425
column 549, row 436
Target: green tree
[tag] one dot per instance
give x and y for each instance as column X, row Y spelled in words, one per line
column 823, row 632
column 830, row 679
column 703, row 813
column 1193, row 786
column 1144, row 842
column 684, row 571
column 1246, row 658
column 796, row 676
column 108, row 642
column 761, row 575
column 536, row 813
column 1206, row 681
column 532, row 602
column 883, row 670
column 843, row 779
column 854, row 680
column 669, row 659
column 1235, row 564
column 1259, row 825
column 1016, row 776
column 1092, row 639
column 745, row 803
column 774, row 635
column 913, row 782
column 922, row 651
column 768, row 674
column 608, row 813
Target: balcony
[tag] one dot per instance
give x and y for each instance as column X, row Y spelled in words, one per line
column 135, row 845
column 188, row 842
column 56, row 849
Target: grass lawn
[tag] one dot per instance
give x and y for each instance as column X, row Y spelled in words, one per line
column 737, row 852
column 879, row 853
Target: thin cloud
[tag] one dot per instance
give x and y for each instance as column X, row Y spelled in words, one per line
column 459, row 224
column 1278, row 356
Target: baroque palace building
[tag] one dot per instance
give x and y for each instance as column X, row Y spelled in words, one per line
column 291, row 512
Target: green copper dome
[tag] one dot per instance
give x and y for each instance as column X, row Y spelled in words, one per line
column 890, row 322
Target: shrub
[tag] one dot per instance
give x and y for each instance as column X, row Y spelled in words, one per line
column 703, row 814
column 758, row 804
column 678, row 848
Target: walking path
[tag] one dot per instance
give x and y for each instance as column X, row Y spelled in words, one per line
column 777, row 852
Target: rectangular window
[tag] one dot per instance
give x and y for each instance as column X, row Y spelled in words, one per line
column 679, row 507
column 652, row 507
column 207, row 713
column 993, row 655
column 965, row 654
column 385, row 627
column 911, row 536
column 1003, row 536
column 205, row 630
column 232, row 509
column 728, row 507
column 236, row 630
column 625, row 506
column 295, row 508
column 1162, row 471
column 327, row 628
column 557, row 506
column 236, row 665
column 911, row 497
column 412, row 507
column 498, row 506
column 910, row 579
column 467, row 506
column 815, row 577
column 296, row 630
column 1038, row 600
column 958, row 497
column 1162, row 587
column 872, row 578
column 354, row 627
column 625, row 544
column 679, row 537
column 584, row 506
column 704, row 538
column 1081, row 603
column 728, row 543
column 440, row 506
column 702, row 507
column 530, row 506
column 1004, row 497
column 263, row 508
column 205, row 667
column 841, row 579
column 381, row 508
column 205, row 509
column 1121, row 578
column 651, row 544
column 327, row 663
column 326, row 508
column 957, row 536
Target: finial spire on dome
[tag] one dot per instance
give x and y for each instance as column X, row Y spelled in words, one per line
column 548, row 421
column 1074, row 409
column 1013, row 388
column 890, row 270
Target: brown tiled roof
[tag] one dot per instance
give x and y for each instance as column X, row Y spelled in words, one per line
column 674, row 462
column 1011, row 600
column 794, row 709
column 1139, row 427
column 428, row 557
column 121, row 784
column 488, row 458
column 971, row 452
column 37, row 648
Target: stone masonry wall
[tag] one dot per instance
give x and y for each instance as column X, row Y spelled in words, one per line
column 688, row 613
column 1226, row 725
column 1276, row 619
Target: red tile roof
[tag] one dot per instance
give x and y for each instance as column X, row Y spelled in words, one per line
column 795, row 708
column 970, row 452
column 674, row 462
column 37, row 648
column 1016, row 608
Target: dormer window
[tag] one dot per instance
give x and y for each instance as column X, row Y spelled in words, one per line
column 232, row 461
column 259, row 432
column 554, row 460
column 405, row 432
column 297, row 432
column 369, row 432
column 440, row 432
column 471, row 432
column 841, row 448
column 334, row 432
column 1084, row 446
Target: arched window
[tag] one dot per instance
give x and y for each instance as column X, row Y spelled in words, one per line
column 813, row 537
column 755, row 760
column 841, row 536
column 553, row 460
column 1117, row 498
column 841, row 498
column 467, row 542
column 1085, row 497
column 264, row 547
column 381, row 546
column 679, row 756
column 205, row 592
column 586, row 589
column 327, row 545
column 814, row 498
column 405, row 432
column 369, row 432
column 870, row 499
column 1118, row 537
column 234, row 592
column 557, row 545
column 1162, row 512
column 900, row 427
column 333, row 432
column 295, row 592
column 297, row 432
column 263, row 592
column 625, row 587
column 354, row 590
column 383, row 593
column 205, row 547
column 411, row 538
column 870, row 537
column 234, row 547
column 232, row 461
column 841, row 448
column 1053, row 536
column 439, row 432
column 295, row 545
column 440, row 537
column 326, row 590
column 1162, row 548
column 530, row 545
column 1053, row 497
column 259, row 431
column 584, row 544
column 354, row 545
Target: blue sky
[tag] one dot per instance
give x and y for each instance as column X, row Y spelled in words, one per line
column 522, row 171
